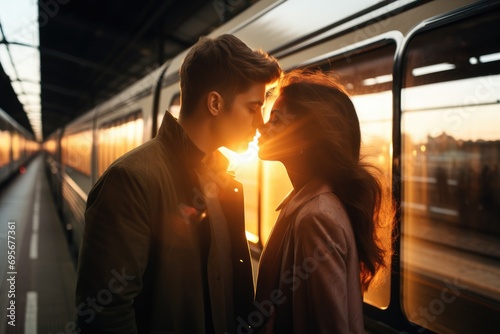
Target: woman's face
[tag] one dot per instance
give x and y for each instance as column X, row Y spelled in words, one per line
column 280, row 136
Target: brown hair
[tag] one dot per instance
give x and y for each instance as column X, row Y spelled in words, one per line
column 329, row 119
column 224, row 64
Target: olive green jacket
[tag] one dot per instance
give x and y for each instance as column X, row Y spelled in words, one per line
column 141, row 267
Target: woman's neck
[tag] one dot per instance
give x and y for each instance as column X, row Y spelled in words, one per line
column 299, row 175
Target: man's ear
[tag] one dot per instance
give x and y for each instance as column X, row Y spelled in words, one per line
column 214, row 103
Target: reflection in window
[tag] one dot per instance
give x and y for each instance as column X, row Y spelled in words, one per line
column 451, row 178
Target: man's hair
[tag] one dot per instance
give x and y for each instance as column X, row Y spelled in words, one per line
column 223, row 64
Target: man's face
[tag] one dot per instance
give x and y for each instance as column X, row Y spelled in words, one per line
column 237, row 124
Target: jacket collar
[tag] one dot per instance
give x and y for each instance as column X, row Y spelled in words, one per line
column 294, row 200
column 173, row 136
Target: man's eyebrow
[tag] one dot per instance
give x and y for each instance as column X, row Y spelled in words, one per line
column 270, row 92
column 258, row 102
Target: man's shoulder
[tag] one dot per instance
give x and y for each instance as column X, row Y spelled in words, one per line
column 146, row 154
column 144, row 161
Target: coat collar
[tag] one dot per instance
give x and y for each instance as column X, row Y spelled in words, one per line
column 173, row 136
column 294, row 200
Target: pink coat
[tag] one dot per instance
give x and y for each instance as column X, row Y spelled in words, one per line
column 309, row 280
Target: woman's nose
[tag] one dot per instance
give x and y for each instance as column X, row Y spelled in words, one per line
column 263, row 128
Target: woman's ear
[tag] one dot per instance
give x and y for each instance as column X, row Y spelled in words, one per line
column 214, row 103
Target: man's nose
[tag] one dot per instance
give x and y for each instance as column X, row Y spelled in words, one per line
column 258, row 121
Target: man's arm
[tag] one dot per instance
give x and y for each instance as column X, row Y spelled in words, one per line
column 113, row 255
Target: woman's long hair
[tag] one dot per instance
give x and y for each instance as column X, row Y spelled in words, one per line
column 330, row 123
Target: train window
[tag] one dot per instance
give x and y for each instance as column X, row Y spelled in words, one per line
column 50, row 146
column 5, row 144
column 117, row 137
column 76, row 151
column 16, row 146
column 450, row 177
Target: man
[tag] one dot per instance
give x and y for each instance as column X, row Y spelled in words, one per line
column 164, row 247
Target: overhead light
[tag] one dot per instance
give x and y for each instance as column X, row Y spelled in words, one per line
column 432, row 69
column 473, row 60
column 485, row 58
column 490, row 57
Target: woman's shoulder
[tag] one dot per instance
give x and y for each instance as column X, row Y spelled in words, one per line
column 325, row 210
column 325, row 205
column 324, row 220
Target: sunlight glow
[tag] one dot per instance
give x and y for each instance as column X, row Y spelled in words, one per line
column 238, row 160
column 378, row 80
column 252, row 237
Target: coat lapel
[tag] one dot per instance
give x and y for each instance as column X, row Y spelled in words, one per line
column 272, row 256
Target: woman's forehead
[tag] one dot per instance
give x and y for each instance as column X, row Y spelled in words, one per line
column 279, row 103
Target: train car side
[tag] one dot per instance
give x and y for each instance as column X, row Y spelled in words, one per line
column 17, row 147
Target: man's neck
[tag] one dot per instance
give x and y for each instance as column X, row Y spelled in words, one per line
column 198, row 130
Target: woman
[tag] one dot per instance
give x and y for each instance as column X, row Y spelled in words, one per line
column 323, row 251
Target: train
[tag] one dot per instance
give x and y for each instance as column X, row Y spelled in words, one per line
column 17, row 147
column 424, row 77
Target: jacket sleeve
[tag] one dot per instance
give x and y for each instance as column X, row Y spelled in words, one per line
column 113, row 254
column 320, row 300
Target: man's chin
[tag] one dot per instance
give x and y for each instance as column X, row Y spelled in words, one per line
column 238, row 148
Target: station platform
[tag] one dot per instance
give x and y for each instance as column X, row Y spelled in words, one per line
column 37, row 271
